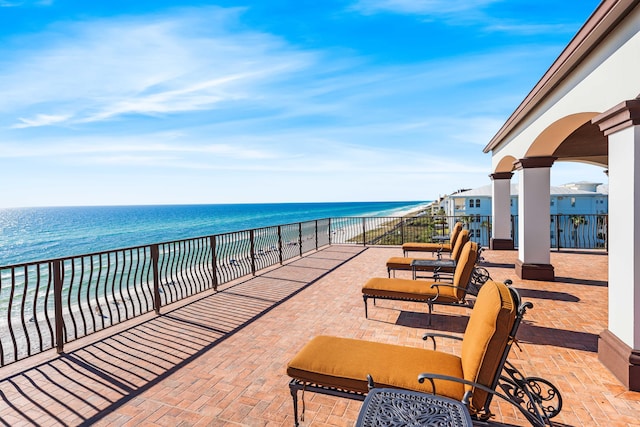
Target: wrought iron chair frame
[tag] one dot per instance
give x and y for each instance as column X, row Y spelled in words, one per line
column 463, row 302
column 479, row 277
column 525, row 393
column 528, row 394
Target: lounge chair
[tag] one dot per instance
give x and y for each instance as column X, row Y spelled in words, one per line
column 350, row 368
column 405, row 263
column 432, row 293
column 434, row 247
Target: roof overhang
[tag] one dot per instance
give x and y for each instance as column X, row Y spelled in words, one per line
column 603, row 20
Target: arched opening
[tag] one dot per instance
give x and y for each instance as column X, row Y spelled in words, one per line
column 505, row 164
column 572, row 138
column 568, row 172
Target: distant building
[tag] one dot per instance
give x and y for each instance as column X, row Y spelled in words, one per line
column 579, row 198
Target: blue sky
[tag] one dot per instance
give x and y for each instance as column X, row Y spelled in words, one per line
column 162, row 102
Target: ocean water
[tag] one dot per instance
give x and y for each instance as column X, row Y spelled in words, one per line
column 32, row 234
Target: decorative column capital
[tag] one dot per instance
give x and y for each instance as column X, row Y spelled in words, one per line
column 500, row 175
column 622, row 116
column 534, row 162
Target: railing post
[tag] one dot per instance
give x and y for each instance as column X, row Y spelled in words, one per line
column 214, row 262
column 329, row 231
column 300, row 237
column 280, row 244
column 557, row 233
column 364, row 231
column 155, row 260
column 316, row 234
column 401, row 231
column 253, row 251
column 57, row 301
column 606, row 236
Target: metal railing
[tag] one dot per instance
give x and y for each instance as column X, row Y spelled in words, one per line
column 46, row 304
column 574, row 231
column 396, row 231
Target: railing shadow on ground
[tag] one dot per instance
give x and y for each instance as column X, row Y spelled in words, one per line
column 550, row 295
column 496, row 265
column 443, row 322
column 578, row 251
column 540, row 335
column 586, row 282
column 528, row 332
column 84, row 385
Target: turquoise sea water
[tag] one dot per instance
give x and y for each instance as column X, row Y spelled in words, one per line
column 32, row 234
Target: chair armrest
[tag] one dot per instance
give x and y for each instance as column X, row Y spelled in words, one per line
column 436, row 277
column 443, row 277
column 433, row 336
column 445, row 285
column 535, row 419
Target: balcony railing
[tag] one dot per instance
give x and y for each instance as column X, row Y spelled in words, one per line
column 46, row 304
column 575, row 231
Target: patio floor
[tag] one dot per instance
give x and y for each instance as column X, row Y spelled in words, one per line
column 220, row 359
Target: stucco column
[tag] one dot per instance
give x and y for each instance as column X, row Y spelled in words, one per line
column 501, row 237
column 534, row 219
column 619, row 346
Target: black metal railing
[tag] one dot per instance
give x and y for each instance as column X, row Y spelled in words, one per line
column 574, row 231
column 396, row 230
column 46, row 304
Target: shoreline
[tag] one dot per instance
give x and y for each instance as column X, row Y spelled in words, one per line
column 37, row 234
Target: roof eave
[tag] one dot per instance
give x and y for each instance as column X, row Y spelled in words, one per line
column 603, row 20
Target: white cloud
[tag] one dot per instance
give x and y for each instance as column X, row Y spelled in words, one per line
column 421, row 7
column 472, row 130
column 154, row 65
column 40, row 120
column 95, row 146
column 195, row 96
column 461, row 12
column 8, row 3
column 170, row 65
column 529, row 29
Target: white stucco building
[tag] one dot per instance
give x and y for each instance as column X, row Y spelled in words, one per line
column 580, row 198
column 585, row 108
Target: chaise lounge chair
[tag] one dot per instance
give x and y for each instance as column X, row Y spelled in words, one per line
column 350, row 368
column 405, row 263
column 434, row 247
column 432, row 293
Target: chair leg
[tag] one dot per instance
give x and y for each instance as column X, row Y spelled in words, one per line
column 366, row 311
column 294, row 394
column 430, row 304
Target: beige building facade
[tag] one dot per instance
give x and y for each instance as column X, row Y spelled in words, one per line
column 585, row 108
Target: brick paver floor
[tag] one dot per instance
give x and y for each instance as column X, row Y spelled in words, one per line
column 221, row 358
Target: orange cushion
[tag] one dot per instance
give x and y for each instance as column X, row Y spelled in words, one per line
column 426, row 247
column 465, row 267
column 399, row 263
column 433, row 247
column 462, row 239
column 345, row 363
column 486, row 336
column 416, row 290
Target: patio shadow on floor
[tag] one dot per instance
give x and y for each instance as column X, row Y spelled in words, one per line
column 585, row 282
column 84, row 385
column 550, row 295
column 541, row 335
